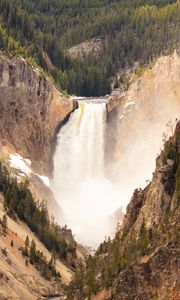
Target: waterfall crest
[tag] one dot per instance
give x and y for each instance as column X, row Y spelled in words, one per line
column 79, row 182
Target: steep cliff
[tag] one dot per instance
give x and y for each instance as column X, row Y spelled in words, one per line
column 140, row 114
column 142, row 261
column 31, row 111
column 149, row 235
column 138, row 121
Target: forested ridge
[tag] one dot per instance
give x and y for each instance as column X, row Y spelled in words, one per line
column 138, row 30
column 19, row 202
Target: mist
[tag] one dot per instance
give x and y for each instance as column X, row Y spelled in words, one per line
column 87, row 197
column 141, row 130
column 93, row 183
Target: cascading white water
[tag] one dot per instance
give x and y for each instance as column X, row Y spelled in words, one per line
column 85, row 195
column 80, row 150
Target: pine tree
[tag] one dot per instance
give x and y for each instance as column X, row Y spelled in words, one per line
column 26, row 250
column 27, row 241
column 144, row 239
column 4, row 224
column 32, row 252
column 27, row 262
column 52, row 262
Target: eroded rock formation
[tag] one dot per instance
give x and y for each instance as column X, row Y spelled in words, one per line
column 153, row 274
column 142, row 261
column 140, row 114
column 31, row 111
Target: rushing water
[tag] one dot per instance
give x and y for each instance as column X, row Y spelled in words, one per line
column 87, row 198
column 80, row 150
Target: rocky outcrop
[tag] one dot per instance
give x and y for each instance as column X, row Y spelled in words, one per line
column 43, row 193
column 140, row 114
column 83, row 50
column 142, row 261
column 160, row 196
column 153, row 272
column 31, row 111
column 153, row 277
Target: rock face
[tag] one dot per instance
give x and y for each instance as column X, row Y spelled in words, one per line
column 154, row 275
column 161, row 194
column 142, row 261
column 140, row 114
column 31, row 111
column 42, row 193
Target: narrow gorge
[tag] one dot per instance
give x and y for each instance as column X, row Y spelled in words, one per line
column 89, row 149
column 108, row 148
column 84, row 157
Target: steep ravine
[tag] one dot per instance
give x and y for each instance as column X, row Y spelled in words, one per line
column 32, row 112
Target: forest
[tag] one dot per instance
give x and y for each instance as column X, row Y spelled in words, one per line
column 19, row 202
column 132, row 31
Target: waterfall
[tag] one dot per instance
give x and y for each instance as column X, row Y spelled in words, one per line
column 91, row 194
column 80, row 149
column 79, row 184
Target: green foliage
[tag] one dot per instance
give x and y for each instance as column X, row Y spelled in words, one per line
column 178, row 182
column 78, row 282
column 169, row 151
column 19, row 200
column 27, row 241
column 128, row 247
column 37, row 258
column 90, row 276
column 4, row 224
column 143, row 241
column 178, row 168
column 171, row 177
column 132, row 31
column 27, row 262
column 32, row 252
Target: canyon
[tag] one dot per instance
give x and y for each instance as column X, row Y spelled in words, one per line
column 36, row 119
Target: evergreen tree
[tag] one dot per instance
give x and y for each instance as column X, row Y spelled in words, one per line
column 27, row 241
column 27, row 262
column 130, row 31
column 144, row 239
column 4, row 224
column 32, row 252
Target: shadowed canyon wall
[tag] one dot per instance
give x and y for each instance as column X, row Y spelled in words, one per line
column 31, row 110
